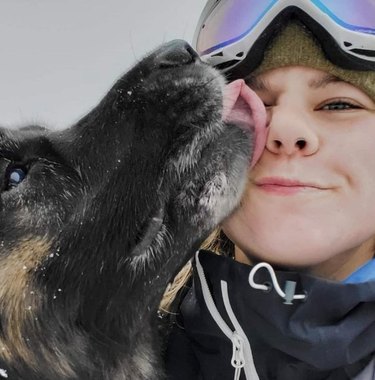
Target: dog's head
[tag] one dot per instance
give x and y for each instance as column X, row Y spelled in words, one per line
column 95, row 219
column 129, row 191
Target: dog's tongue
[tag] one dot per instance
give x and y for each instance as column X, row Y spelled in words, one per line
column 242, row 106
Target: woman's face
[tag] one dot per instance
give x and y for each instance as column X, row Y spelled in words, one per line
column 310, row 200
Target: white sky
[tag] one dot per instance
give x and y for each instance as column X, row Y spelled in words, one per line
column 59, row 57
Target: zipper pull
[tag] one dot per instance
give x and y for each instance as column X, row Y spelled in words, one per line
column 238, row 359
column 290, row 291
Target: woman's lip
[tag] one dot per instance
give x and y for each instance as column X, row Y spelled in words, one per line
column 285, row 185
column 286, row 182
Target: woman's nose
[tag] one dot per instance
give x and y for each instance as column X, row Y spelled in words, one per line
column 290, row 134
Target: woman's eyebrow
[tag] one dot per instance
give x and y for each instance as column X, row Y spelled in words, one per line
column 323, row 81
column 257, row 83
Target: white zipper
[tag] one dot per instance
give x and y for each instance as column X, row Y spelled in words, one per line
column 242, row 357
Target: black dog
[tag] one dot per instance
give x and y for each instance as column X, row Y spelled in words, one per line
column 96, row 219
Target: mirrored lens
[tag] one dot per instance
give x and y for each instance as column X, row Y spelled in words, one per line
column 230, row 21
column 358, row 15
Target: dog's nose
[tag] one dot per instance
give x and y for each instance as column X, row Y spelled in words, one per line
column 176, row 53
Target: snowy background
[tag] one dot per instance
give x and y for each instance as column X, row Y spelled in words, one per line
column 59, row 57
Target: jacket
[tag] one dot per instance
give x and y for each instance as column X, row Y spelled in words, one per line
column 241, row 322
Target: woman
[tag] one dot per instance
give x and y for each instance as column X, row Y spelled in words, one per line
column 298, row 300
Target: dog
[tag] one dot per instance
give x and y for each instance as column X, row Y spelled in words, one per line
column 96, row 218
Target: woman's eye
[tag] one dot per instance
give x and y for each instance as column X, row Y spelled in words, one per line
column 339, row 106
column 14, row 176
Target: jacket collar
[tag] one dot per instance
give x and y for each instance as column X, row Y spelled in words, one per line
column 332, row 328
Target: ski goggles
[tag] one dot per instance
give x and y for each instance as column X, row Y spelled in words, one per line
column 232, row 35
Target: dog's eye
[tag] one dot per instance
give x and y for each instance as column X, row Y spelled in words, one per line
column 14, row 176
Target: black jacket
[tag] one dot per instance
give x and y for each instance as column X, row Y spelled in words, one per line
column 223, row 323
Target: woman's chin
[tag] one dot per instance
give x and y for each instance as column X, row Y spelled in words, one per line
column 288, row 258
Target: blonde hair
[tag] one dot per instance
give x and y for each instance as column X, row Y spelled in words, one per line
column 218, row 243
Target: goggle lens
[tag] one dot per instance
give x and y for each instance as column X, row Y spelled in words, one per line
column 358, row 15
column 229, row 22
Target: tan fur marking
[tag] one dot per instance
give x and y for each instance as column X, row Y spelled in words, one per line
column 18, row 299
column 20, row 302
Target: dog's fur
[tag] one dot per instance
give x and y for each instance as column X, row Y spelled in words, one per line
column 108, row 211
